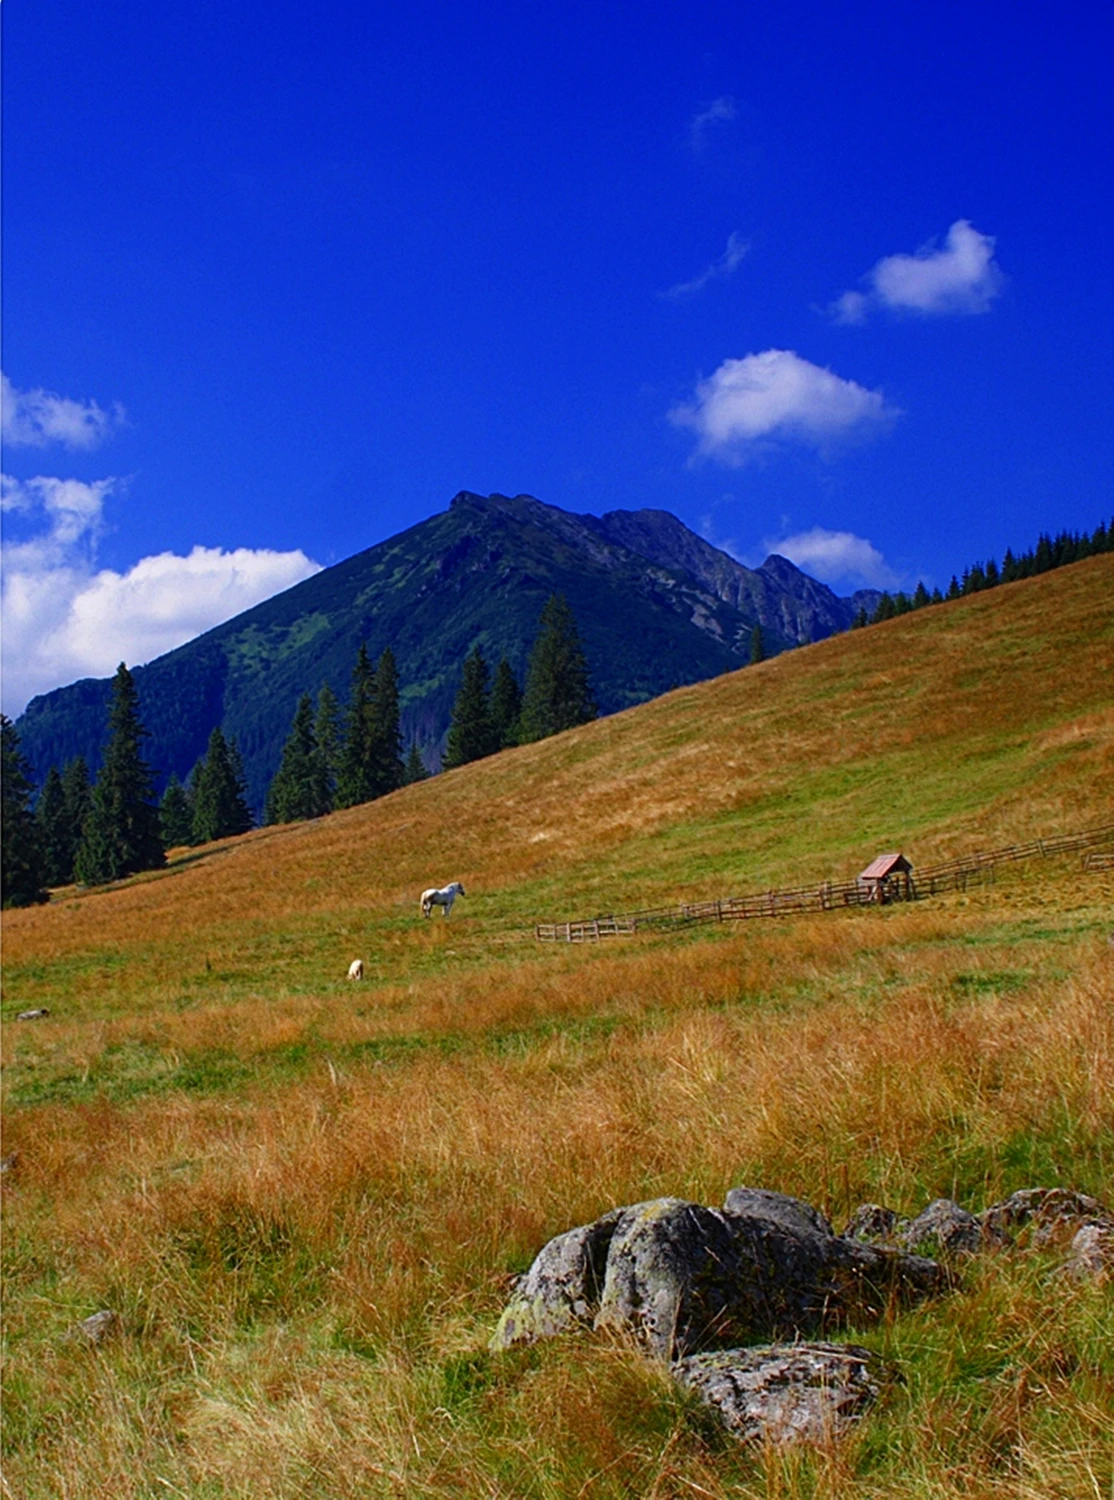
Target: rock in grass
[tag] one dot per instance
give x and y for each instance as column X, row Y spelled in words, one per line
column 95, row 1329
column 787, row 1393
column 681, row 1277
column 561, row 1291
column 33, row 1015
column 675, row 1278
column 1048, row 1214
column 873, row 1224
column 792, row 1213
column 943, row 1228
column 1092, row 1254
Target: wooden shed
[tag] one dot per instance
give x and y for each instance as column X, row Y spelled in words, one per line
column 888, row 878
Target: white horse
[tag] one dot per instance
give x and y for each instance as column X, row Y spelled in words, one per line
column 443, row 898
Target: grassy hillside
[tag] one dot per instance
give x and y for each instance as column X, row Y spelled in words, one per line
column 305, row 1197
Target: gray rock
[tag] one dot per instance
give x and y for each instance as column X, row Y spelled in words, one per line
column 95, row 1329
column 791, row 1213
column 1092, row 1254
column 33, row 1015
column 787, row 1393
column 682, row 1277
column 874, row 1224
column 943, row 1227
column 674, row 1278
column 561, row 1291
column 1048, row 1214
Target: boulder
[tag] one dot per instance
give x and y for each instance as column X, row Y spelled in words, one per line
column 561, row 1291
column 96, row 1328
column 787, row 1393
column 675, row 1278
column 944, row 1228
column 874, row 1224
column 791, row 1213
column 681, row 1277
column 1092, row 1254
column 1048, row 1214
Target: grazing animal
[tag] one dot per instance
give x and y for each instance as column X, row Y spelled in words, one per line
column 443, row 898
column 356, row 969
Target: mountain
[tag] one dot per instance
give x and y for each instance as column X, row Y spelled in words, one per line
column 657, row 607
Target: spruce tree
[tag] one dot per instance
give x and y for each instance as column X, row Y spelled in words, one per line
column 557, row 695
column 78, row 790
column 471, row 732
column 220, row 808
column 384, row 736
column 326, row 727
column 414, row 768
column 175, row 815
column 55, row 844
column 21, row 864
column 757, row 646
column 506, row 705
column 295, row 791
column 121, row 834
column 354, row 775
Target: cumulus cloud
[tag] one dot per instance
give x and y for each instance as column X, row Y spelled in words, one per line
column 729, row 261
column 777, row 396
column 836, row 557
column 958, row 277
column 37, row 418
column 719, row 112
column 63, row 618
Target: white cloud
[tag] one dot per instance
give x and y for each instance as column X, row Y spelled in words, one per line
column 34, row 419
column 777, row 396
column 836, row 557
column 729, row 261
column 64, row 619
column 719, row 112
column 959, row 277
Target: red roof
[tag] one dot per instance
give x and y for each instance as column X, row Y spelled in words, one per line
column 885, row 865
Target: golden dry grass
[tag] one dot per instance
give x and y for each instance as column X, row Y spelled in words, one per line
column 306, row 1198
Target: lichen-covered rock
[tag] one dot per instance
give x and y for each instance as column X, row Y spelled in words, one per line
column 561, row 1290
column 787, row 1393
column 873, row 1224
column 1092, row 1254
column 791, row 1213
column 1048, row 1214
column 674, row 1278
column 943, row 1227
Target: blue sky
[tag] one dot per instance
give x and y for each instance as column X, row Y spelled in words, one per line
column 279, row 280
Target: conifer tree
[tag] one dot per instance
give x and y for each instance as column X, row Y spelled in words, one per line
column 885, row 609
column 78, row 790
column 860, row 619
column 295, row 791
column 121, row 834
column 920, row 595
column 414, row 767
column 327, row 729
column 557, row 695
column 384, row 737
column 354, row 775
column 471, row 732
column 21, row 865
column 220, row 808
column 506, row 705
column 52, row 825
column 757, row 646
column 175, row 815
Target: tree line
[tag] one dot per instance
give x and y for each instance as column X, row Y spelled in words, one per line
column 95, row 832
column 1049, row 552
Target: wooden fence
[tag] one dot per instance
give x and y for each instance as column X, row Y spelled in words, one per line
column 829, row 895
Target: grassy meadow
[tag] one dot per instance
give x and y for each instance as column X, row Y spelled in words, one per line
column 307, row 1198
